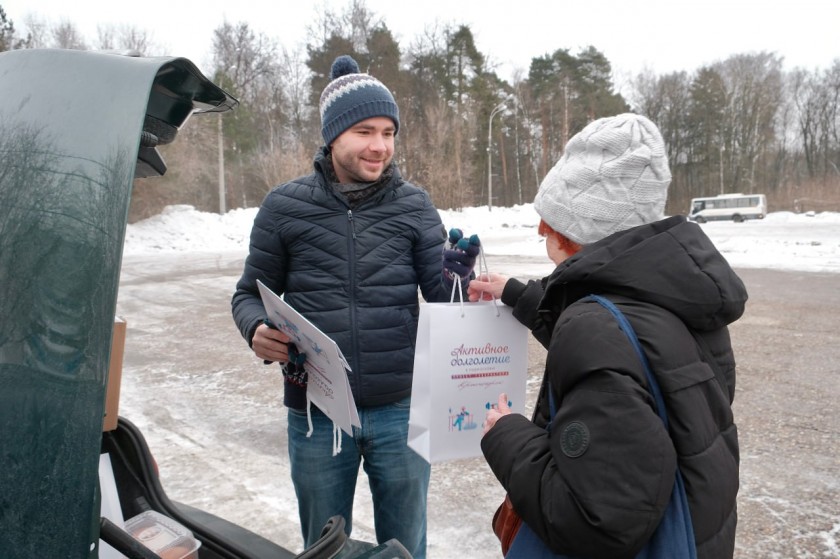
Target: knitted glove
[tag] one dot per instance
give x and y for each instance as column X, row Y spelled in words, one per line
column 294, row 372
column 459, row 255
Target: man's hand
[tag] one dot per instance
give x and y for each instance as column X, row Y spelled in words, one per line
column 270, row 344
column 459, row 255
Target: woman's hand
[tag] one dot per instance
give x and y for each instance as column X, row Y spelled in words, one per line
column 496, row 412
column 487, row 287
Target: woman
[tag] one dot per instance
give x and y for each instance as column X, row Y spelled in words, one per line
column 594, row 480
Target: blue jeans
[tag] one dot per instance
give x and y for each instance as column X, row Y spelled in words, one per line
column 325, row 484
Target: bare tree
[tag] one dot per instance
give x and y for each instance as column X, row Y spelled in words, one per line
column 808, row 100
column 361, row 23
column 37, row 31
column 832, row 78
column 65, row 35
column 666, row 100
column 294, row 77
column 754, row 83
column 124, row 37
column 286, row 139
column 242, row 57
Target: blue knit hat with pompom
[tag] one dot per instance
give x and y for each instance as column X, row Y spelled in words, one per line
column 352, row 97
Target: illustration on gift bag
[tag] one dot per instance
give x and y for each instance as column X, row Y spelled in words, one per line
column 466, row 356
column 464, row 420
column 461, row 420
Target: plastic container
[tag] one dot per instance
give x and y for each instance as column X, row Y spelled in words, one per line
column 164, row 536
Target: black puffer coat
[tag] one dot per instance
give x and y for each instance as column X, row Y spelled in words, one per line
column 604, row 498
column 353, row 273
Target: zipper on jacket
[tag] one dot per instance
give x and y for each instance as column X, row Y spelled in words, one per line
column 352, row 225
column 355, row 377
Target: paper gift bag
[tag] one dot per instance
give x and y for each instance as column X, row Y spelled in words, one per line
column 466, row 355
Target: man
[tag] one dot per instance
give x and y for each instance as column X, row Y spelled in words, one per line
column 592, row 474
column 349, row 245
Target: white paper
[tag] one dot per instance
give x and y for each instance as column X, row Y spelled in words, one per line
column 326, row 367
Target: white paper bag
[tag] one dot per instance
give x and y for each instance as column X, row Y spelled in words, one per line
column 466, row 355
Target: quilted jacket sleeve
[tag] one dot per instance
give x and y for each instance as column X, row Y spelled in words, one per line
column 525, row 299
column 266, row 262
column 428, row 254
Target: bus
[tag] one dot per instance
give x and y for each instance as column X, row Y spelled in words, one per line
column 737, row 207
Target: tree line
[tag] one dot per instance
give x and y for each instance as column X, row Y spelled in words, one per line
column 471, row 138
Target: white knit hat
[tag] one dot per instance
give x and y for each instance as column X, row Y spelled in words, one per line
column 612, row 176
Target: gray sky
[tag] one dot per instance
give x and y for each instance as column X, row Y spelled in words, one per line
column 662, row 35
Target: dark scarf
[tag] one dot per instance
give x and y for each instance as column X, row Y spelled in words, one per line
column 357, row 192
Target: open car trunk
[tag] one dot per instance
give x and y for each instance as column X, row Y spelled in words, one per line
column 139, row 488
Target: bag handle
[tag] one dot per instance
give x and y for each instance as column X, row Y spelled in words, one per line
column 482, row 263
column 674, row 537
column 457, row 285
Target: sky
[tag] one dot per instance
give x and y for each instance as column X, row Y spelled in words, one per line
column 659, row 35
column 783, row 240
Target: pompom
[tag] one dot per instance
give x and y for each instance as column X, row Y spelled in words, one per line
column 342, row 66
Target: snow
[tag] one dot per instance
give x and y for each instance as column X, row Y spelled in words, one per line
column 212, row 413
column 783, row 240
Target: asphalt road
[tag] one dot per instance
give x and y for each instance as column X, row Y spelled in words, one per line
column 213, row 416
column 786, row 406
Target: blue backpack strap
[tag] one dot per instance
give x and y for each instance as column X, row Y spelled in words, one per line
column 676, row 525
column 674, row 537
column 625, row 326
column 552, row 406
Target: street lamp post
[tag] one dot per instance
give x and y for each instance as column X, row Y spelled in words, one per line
column 497, row 109
column 221, row 146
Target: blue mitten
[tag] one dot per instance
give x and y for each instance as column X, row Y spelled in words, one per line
column 459, row 256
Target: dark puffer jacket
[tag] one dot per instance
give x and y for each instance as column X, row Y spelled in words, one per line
column 353, row 273
column 603, row 497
